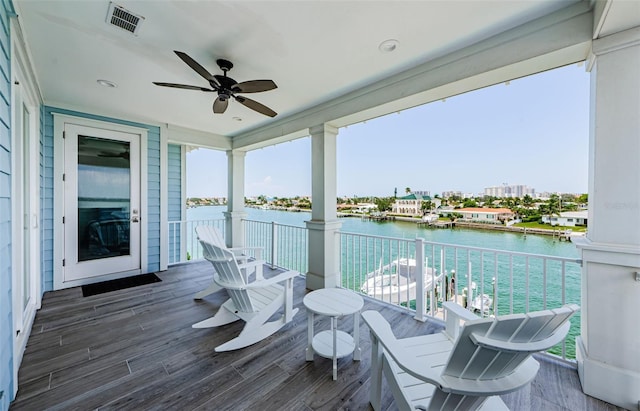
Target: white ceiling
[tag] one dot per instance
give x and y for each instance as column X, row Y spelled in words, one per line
column 315, row 51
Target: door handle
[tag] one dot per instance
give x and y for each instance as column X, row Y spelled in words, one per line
column 135, row 219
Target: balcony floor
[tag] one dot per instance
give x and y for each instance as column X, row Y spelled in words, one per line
column 135, row 349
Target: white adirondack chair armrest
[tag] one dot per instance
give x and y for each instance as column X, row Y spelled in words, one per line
column 542, row 345
column 455, row 313
column 258, row 251
column 381, row 330
column 273, row 280
column 249, row 264
column 459, row 311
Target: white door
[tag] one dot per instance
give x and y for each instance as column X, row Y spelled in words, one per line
column 101, row 202
column 25, row 155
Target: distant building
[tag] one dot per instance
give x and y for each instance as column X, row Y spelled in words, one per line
column 423, row 193
column 448, row 194
column 410, row 205
column 512, row 191
column 567, row 219
column 486, row 215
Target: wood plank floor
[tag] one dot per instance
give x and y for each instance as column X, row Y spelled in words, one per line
column 134, row 349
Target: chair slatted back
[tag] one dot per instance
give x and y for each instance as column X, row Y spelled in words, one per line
column 471, row 361
column 226, row 266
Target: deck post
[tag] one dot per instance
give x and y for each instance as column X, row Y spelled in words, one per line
column 235, row 213
column 420, row 281
column 324, row 240
column 607, row 348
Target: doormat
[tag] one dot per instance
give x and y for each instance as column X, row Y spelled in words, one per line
column 119, row 284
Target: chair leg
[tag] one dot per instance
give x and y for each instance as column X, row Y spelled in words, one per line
column 375, row 390
column 222, row 317
column 207, row 291
column 253, row 332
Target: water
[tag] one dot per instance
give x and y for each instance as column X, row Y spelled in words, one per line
column 532, row 287
column 534, row 244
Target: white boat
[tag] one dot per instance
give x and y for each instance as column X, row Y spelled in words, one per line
column 396, row 282
column 482, row 304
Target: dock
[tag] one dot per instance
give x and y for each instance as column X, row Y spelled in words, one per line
column 378, row 217
column 436, row 224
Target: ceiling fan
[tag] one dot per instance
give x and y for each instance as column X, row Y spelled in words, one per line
column 226, row 87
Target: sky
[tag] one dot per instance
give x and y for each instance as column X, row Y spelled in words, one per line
column 533, row 131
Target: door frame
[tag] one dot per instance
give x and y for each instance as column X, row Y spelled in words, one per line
column 75, row 268
column 24, row 91
column 59, row 122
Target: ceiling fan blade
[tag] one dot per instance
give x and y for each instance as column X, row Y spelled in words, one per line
column 254, row 86
column 185, row 86
column 220, row 105
column 254, row 105
column 195, row 66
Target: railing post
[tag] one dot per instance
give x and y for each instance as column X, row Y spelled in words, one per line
column 274, row 244
column 469, row 288
column 420, row 269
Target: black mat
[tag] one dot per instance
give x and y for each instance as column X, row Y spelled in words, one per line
column 119, row 284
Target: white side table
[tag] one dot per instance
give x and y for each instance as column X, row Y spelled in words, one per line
column 333, row 343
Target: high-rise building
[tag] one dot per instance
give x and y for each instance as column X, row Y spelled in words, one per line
column 506, row 190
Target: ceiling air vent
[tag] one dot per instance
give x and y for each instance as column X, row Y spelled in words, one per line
column 120, row 17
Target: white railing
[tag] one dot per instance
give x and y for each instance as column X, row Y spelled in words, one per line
column 183, row 242
column 489, row 282
column 285, row 245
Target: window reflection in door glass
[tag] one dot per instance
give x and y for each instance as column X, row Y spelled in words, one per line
column 104, row 182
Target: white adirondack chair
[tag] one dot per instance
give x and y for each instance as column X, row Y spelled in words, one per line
column 254, row 302
column 466, row 366
column 210, row 235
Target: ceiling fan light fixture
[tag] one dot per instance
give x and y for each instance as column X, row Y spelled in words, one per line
column 107, row 83
column 388, row 46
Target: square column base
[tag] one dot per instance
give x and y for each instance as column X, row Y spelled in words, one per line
column 603, row 381
column 324, row 254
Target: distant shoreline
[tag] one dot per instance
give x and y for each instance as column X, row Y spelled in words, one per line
column 460, row 224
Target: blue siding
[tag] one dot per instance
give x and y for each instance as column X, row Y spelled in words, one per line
column 46, row 201
column 6, row 314
column 174, row 206
column 153, row 193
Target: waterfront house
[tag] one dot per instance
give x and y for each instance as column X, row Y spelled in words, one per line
column 486, row 215
column 567, row 218
column 77, row 94
column 411, row 204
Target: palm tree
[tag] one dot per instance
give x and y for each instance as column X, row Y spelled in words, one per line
column 553, row 205
column 407, row 190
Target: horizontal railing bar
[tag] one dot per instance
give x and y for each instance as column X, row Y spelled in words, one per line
column 471, row 248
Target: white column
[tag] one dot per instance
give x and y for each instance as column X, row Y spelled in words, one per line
column 324, row 244
column 608, row 348
column 235, row 200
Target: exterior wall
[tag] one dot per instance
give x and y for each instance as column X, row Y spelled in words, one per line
column 6, row 315
column 174, row 203
column 153, row 193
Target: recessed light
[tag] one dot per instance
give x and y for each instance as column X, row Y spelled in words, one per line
column 388, row 46
column 236, row 118
column 107, row 83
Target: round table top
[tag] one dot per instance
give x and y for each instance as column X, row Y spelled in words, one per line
column 333, row 302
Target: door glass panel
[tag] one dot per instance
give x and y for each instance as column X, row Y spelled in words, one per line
column 104, row 180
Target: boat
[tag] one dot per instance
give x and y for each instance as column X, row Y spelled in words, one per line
column 481, row 304
column 396, row 282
